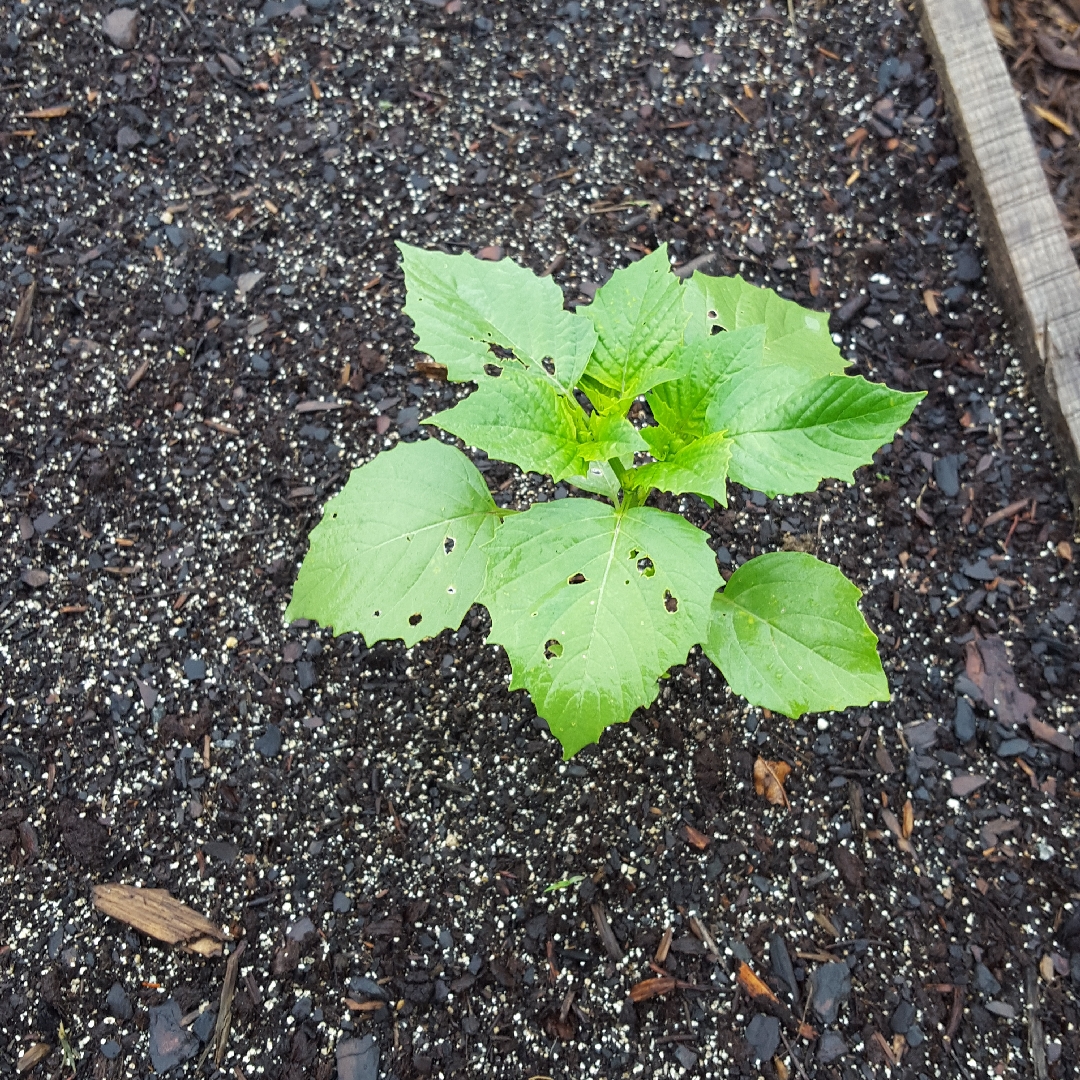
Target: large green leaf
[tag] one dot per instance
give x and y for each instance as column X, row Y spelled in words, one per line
column 639, row 320
column 399, row 552
column 794, row 336
column 786, row 439
column 461, row 307
column 593, row 606
column 514, row 417
column 788, row 636
column 701, row 467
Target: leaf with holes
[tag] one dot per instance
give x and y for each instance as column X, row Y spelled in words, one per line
column 786, row 439
column 795, row 337
column 639, row 319
column 593, row 605
column 400, row 552
column 468, row 313
column 787, row 634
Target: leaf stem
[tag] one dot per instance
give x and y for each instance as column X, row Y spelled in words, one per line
column 631, row 496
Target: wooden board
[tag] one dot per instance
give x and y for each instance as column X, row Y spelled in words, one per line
column 1032, row 266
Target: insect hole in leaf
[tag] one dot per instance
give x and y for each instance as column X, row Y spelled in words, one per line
column 671, row 603
column 552, row 649
column 548, row 365
column 493, row 370
column 577, row 579
column 645, row 565
column 448, row 544
column 414, row 620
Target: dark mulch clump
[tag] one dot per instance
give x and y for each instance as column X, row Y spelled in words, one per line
column 380, row 824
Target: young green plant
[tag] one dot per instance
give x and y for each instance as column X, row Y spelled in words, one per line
column 595, row 596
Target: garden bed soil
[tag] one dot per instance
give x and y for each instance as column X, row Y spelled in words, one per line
column 1039, row 42
column 377, row 827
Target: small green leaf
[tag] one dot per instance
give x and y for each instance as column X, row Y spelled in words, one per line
column 566, row 883
column 611, row 436
column 786, row 439
column 602, row 398
column 461, row 307
column 700, row 467
column 705, row 366
column 664, row 443
column 399, row 552
column 639, row 320
column 794, row 336
column 788, row 636
column 593, row 606
column 599, row 478
column 515, row 417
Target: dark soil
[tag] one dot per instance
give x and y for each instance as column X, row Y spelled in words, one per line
column 381, row 823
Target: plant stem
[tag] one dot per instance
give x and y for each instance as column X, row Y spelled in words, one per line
column 631, row 496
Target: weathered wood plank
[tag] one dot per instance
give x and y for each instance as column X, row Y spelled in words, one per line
column 1033, row 268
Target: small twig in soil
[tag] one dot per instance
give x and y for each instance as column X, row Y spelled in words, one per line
column 607, row 937
column 954, row 1016
column 959, row 1064
column 224, row 1018
column 1036, row 1039
column 791, row 1054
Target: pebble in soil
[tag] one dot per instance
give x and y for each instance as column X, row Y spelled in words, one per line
column 150, row 402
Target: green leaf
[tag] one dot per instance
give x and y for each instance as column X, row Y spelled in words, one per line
column 786, row 440
column 705, row 367
column 788, row 636
column 639, row 320
column 593, row 606
column 599, row 478
column 611, row 436
column 515, row 417
column 700, row 467
column 794, row 336
column 603, row 398
column 399, row 552
column 566, row 883
column 664, row 443
column 461, row 306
